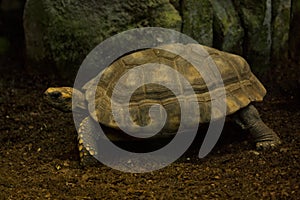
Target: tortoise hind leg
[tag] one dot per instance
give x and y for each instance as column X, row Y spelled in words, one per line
column 87, row 143
column 248, row 118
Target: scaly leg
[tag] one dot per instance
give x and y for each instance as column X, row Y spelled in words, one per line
column 87, row 143
column 248, row 118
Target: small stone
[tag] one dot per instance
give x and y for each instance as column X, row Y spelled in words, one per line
column 284, row 150
column 29, row 146
column 254, row 152
column 84, row 177
column 58, row 167
column 92, row 152
column 81, row 154
column 217, row 177
column 48, row 195
column 66, row 164
column 33, row 114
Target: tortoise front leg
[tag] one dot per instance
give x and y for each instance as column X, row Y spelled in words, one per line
column 87, row 143
column 248, row 118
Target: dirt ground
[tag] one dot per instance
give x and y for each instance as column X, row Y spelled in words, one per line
column 39, row 157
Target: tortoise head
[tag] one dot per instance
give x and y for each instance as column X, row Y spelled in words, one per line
column 61, row 98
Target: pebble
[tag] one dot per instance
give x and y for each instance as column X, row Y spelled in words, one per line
column 284, row 150
column 66, row 164
column 48, row 195
column 254, row 152
column 58, row 167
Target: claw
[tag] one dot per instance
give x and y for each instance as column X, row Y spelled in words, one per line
column 270, row 144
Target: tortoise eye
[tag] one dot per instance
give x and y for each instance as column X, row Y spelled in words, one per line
column 55, row 95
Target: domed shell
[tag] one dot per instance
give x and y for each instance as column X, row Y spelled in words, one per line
column 241, row 85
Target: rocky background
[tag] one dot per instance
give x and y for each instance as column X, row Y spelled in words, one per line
column 62, row 32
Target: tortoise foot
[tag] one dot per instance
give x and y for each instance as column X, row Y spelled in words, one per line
column 264, row 136
column 86, row 159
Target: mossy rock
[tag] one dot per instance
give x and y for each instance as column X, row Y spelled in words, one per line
column 256, row 16
column 198, row 20
column 62, row 33
column 228, row 31
column 281, row 26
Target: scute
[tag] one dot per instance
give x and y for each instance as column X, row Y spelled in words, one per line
column 241, row 86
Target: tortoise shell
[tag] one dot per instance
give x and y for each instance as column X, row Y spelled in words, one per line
column 241, row 85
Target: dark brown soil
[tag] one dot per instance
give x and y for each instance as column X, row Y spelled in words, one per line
column 39, row 157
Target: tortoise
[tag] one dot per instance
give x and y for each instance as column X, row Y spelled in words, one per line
column 241, row 86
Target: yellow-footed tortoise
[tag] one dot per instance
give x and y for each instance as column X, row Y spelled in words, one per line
column 240, row 84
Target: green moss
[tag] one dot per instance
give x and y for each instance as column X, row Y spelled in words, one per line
column 167, row 16
column 198, row 20
column 228, row 31
column 69, row 30
column 281, row 29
